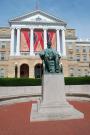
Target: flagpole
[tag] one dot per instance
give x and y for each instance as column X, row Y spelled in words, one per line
column 37, row 5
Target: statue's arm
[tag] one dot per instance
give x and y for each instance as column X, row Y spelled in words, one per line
column 56, row 54
column 59, row 56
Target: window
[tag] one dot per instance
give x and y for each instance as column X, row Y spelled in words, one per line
column 70, row 55
column 79, row 72
column 78, row 57
column 2, row 56
column 89, row 65
column 69, row 44
column 84, row 50
column 2, row 73
column 86, row 72
column 77, row 49
column 70, row 52
column 71, row 71
column 70, row 58
column 70, row 34
column 84, row 57
column 3, row 46
column 71, row 74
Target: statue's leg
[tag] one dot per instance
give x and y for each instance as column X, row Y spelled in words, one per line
column 46, row 66
column 57, row 67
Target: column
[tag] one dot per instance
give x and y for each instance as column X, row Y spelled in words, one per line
column 45, row 38
column 63, row 43
column 18, row 42
column 58, row 42
column 31, row 42
column 12, row 43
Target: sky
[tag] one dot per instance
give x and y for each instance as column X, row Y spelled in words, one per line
column 76, row 13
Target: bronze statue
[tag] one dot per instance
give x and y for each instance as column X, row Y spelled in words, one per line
column 51, row 60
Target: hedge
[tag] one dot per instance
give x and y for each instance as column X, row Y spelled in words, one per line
column 37, row 82
column 19, row 82
column 77, row 80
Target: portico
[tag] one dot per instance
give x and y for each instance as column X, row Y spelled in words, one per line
column 36, row 21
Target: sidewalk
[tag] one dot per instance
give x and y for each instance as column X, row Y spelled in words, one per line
column 15, row 120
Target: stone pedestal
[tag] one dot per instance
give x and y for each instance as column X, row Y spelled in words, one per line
column 53, row 105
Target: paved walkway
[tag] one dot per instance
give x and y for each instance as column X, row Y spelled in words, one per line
column 14, row 120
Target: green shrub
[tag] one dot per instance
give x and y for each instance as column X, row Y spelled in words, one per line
column 77, row 80
column 37, row 82
column 19, row 82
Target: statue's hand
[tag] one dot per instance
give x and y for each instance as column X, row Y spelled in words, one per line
column 42, row 55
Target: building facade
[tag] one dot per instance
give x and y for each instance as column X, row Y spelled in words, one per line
column 27, row 35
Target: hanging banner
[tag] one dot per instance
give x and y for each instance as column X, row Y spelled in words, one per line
column 51, row 37
column 25, row 40
column 38, row 41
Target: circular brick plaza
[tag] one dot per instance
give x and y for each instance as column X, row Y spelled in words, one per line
column 15, row 120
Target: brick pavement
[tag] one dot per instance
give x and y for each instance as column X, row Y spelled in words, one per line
column 14, row 120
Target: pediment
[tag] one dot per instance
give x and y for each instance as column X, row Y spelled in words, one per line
column 37, row 16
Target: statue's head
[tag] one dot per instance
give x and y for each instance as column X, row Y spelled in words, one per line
column 49, row 45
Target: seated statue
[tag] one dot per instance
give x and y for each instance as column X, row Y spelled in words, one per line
column 51, row 59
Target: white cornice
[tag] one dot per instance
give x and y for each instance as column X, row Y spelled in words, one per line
column 4, row 39
column 37, row 23
column 38, row 27
column 67, row 40
column 78, row 42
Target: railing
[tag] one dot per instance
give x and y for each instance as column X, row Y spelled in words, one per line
column 28, row 53
column 82, row 39
column 25, row 53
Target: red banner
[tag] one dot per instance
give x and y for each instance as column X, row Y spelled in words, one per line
column 25, row 40
column 38, row 41
column 51, row 37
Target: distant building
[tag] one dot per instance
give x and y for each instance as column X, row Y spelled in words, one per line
column 28, row 35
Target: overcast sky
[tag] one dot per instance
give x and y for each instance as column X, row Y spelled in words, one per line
column 75, row 12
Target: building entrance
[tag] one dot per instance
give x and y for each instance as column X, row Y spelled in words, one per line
column 24, row 71
column 38, row 70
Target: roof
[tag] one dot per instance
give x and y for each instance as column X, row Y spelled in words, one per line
column 39, row 13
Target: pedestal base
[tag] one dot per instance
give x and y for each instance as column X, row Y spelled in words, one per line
column 54, row 105
column 61, row 112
